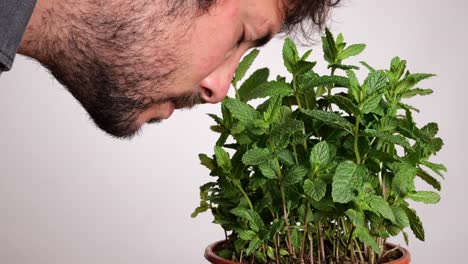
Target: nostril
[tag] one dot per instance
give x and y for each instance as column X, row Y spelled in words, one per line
column 207, row 92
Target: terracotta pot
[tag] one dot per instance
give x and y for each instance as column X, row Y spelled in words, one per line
column 213, row 258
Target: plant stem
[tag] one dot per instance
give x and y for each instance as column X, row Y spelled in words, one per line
column 245, row 196
column 322, row 244
column 306, row 224
column 359, row 250
column 356, row 141
column 286, row 221
column 311, row 249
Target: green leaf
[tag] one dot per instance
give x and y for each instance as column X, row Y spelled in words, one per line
column 204, row 206
column 244, row 65
column 267, row 170
column 394, row 139
column 346, row 181
column 416, row 91
column 426, row 197
column 370, row 68
column 294, row 175
column 247, row 235
column 375, row 81
column 256, row 156
column 370, row 103
column 435, row 167
column 429, row 179
column 286, row 157
column 325, row 80
column 240, row 110
column 329, row 47
column 345, row 104
column 306, row 55
column 272, row 113
column 415, row 223
column 290, row 54
column 269, row 89
column 255, row 244
column 206, row 161
column 352, row 50
column 400, row 217
column 280, row 135
column 381, row 207
column 321, row 154
column 257, row 78
column 222, row 158
column 302, row 67
column 354, row 87
column 330, row 118
column 315, row 189
column 403, row 182
column 356, row 217
column 365, row 237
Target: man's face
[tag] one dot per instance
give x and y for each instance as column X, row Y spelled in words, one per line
column 136, row 63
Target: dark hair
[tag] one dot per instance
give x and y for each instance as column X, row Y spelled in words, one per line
column 306, row 11
column 298, row 18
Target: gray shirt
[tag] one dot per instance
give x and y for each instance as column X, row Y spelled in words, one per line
column 14, row 17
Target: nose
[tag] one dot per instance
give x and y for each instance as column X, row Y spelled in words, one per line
column 216, row 85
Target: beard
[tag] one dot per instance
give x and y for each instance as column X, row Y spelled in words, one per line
column 117, row 66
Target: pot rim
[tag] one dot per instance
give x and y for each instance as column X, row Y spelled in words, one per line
column 211, row 256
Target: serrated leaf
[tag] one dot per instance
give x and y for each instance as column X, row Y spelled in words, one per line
column 295, row 174
column 222, row 158
column 381, row 207
column 352, row 50
column 267, row 170
column 244, row 65
column 254, row 244
column 204, row 206
column 395, row 139
column 306, row 55
column 400, row 217
column 415, row 223
column 429, row 179
column 345, row 104
column 354, row 87
column 302, row 67
column 280, row 135
column 256, row 156
column 416, row 91
column 325, row 80
column 435, row 167
column 272, row 113
column 240, row 110
column 356, row 217
column 247, row 235
column 346, row 181
column 330, row 118
column 426, row 197
column 365, row 237
column 315, row 189
column 257, row 78
column 375, row 81
column 329, row 47
column 321, row 154
column 269, row 89
column 286, row 157
column 403, row 182
column 290, row 54
column 206, row 161
column 370, row 103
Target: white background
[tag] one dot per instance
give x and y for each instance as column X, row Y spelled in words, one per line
column 71, row 194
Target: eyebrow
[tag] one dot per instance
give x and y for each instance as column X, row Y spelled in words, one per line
column 263, row 40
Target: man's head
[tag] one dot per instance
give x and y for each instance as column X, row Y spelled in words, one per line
column 131, row 62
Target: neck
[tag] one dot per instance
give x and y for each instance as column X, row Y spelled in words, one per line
column 38, row 31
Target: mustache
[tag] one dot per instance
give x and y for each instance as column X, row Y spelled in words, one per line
column 187, row 100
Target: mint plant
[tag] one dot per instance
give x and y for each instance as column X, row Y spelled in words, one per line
column 323, row 168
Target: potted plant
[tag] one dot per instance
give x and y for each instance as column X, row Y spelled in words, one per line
column 323, row 168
